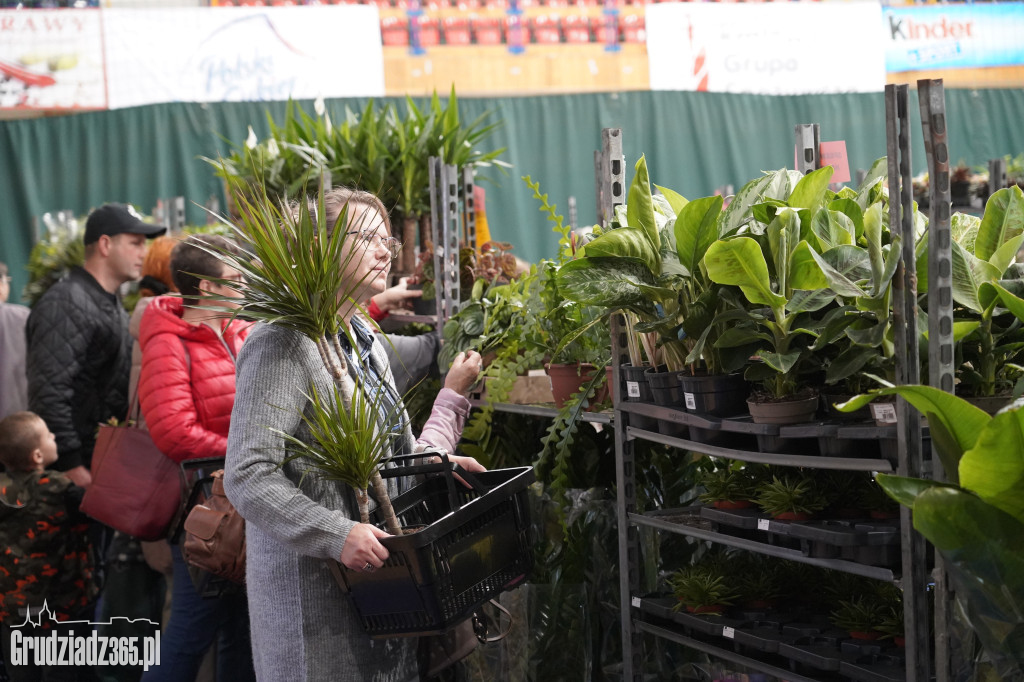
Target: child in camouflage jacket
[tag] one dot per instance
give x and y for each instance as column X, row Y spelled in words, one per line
column 44, row 539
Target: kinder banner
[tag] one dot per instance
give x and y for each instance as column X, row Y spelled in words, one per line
column 772, row 48
column 242, row 53
column 954, row 36
column 51, row 59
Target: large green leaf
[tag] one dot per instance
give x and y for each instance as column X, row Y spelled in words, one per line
column 1003, row 220
column 807, row 301
column 904, row 489
column 625, row 242
column 832, row 228
column 994, row 467
column 610, row 283
column 1006, row 254
column 772, row 185
column 783, row 236
column 1013, row 303
column 964, row 229
column 963, row 420
column 969, row 273
column 873, row 237
column 696, row 229
column 781, row 363
column 640, row 207
column 850, row 261
column 676, row 200
column 852, row 210
column 849, row 362
column 739, row 262
column 878, row 171
column 810, row 191
column 808, row 270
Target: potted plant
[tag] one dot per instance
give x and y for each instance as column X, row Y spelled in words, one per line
column 777, row 312
column 976, row 521
column 860, row 616
column 726, row 485
column 961, row 184
column 790, row 497
column 701, row 590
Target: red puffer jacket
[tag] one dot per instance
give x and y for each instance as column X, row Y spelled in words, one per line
column 186, row 397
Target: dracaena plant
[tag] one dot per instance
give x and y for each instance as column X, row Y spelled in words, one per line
column 293, row 264
column 976, row 520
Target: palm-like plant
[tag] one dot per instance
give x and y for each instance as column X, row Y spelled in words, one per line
column 293, row 265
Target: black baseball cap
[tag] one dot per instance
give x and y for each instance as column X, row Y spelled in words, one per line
column 111, row 219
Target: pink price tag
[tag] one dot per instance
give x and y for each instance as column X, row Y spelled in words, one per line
column 834, row 154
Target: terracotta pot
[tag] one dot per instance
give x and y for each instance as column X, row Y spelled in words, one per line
column 784, row 411
column 567, row 379
column 866, row 636
column 732, row 504
column 792, row 516
column 697, row 610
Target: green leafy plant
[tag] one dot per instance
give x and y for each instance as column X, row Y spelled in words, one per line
column 794, row 494
column 862, row 615
column 731, row 482
column 293, row 264
column 976, row 521
column 701, row 590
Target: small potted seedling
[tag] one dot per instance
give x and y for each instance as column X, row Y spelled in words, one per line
column 758, row 582
column 701, row 590
column 727, row 487
column 790, row 497
column 860, row 616
column 892, row 625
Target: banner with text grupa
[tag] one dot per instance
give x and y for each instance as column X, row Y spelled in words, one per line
column 772, row 48
column 954, row 36
column 51, row 59
column 234, row 54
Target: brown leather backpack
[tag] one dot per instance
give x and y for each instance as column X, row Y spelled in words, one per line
column 215, row 535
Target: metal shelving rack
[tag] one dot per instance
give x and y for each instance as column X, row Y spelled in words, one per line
column 913, row 576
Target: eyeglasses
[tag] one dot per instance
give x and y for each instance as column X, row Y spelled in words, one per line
column 369, row 237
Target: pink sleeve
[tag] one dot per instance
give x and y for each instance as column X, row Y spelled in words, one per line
column 444, row 428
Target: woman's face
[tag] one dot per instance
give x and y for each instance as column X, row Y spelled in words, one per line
column 366, row 257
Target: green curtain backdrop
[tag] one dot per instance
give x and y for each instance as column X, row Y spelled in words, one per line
column 694, row 142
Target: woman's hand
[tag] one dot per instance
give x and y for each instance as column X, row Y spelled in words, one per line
column 363, row 550
column 464, row 372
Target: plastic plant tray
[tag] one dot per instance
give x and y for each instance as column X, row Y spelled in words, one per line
column 821, row 656
column 745, row 519
column 472, row 546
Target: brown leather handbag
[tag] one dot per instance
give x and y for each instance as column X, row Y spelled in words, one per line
column 215, row 535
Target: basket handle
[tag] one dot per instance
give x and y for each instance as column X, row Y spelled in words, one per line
column 445, row 466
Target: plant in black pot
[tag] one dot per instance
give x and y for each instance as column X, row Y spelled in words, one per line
column 791, row 497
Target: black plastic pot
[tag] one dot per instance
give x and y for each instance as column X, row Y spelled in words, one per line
column 664, row 386
column 635, row 381
column 719, row 395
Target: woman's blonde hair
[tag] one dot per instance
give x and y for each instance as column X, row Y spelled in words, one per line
column 337, row 198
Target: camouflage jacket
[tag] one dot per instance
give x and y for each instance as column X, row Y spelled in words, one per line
column 45, row 553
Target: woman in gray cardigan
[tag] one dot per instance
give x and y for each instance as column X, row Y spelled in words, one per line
column 303, row 627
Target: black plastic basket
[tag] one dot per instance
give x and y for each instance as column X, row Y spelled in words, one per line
column 474, row 544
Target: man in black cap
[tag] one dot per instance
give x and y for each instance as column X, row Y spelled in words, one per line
column 79, row 348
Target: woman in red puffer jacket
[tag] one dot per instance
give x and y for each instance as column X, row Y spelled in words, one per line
column 187, row 391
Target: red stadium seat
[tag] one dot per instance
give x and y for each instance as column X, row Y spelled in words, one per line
column 576, row 28
column 394, row 32
column 430, row 32
column 603, row 25
column 545, row 29
column 498, row 5
column 633, row 29
column 486, row 30
column 456, row 30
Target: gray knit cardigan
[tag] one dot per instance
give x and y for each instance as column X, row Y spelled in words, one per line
column 303, row 626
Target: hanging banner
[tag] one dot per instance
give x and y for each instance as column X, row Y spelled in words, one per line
column 232, row 54
column 51, row 59
column 771, row 48
column 954, row 36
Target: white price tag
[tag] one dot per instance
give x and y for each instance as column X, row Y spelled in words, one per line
column 728, row 632
column 691, row 402
column 633, row 389
column 762, row 524
column 636, row 602
column 884, row 413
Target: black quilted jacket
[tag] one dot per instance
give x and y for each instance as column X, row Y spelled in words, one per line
column 79, row 359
